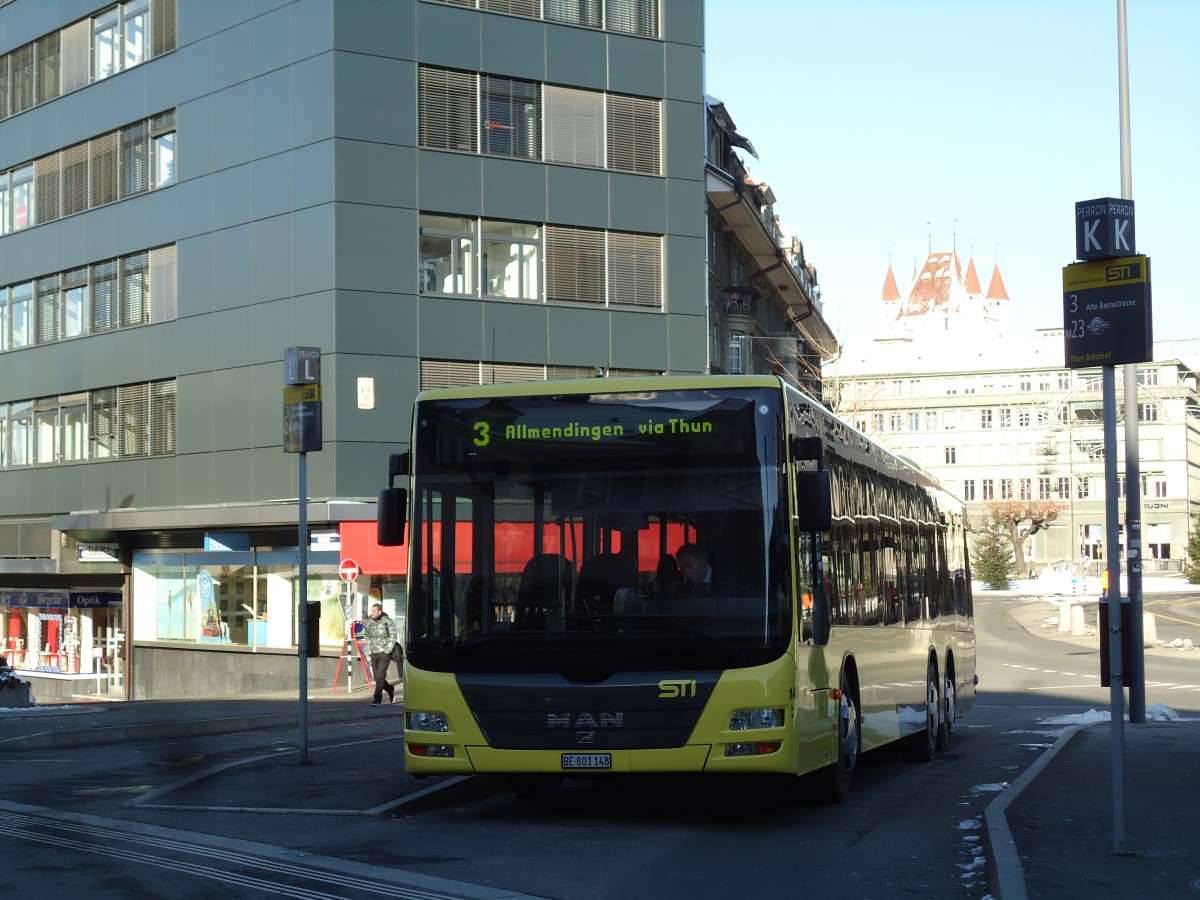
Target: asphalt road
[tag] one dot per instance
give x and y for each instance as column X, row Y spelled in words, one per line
column 237, row 815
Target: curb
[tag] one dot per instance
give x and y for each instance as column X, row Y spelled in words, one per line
column 1005, row 873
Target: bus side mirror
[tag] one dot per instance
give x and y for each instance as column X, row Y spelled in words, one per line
column 392, row 507
column 814, row 507
column 391, row 516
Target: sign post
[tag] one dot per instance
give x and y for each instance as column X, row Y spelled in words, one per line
column 301, row 433
column 348, row 572
column 1107, row 323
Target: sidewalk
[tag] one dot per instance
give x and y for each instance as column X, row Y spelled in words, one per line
column 1064, row 829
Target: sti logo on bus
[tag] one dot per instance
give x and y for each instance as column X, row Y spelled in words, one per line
column 672, row 689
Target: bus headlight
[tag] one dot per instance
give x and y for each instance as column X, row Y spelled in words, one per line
column 427, row 721
column 750, row 719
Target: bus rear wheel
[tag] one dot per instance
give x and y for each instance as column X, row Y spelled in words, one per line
column 949, row 709
column 923, row 744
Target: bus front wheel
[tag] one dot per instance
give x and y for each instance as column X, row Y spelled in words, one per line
column 849, row 745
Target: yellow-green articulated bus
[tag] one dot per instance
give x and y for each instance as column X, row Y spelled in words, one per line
column 675, row 574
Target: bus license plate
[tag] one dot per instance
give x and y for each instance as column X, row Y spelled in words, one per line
column 587, row 761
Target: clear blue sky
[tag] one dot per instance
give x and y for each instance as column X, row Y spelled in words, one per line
column 872, row 118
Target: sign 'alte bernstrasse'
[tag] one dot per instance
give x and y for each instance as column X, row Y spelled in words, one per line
column 1106, row 298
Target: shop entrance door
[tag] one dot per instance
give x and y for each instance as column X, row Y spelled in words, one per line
column 110, row 639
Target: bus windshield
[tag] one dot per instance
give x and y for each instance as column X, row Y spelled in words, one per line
column 547, row 531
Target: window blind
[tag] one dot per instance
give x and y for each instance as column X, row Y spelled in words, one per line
column 634, row 134
column 133, row 419
column 573, row 126
column 448, row 114
column 164, row 291
column 635, row 269
column 574, row 264
column 46, row 190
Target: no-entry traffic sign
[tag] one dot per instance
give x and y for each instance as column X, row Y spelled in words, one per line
column 348, row 570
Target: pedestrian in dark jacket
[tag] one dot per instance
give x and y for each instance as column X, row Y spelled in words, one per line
column 381, row 640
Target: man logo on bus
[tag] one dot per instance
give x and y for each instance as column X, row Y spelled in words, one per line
column 585, row 720
column 671, row 689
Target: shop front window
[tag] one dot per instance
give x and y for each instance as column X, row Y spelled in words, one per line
column 244, row 598
column 59, row 632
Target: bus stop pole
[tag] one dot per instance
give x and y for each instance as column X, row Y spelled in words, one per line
column 1136, row 676
column 302, row 636
column 1116, row 674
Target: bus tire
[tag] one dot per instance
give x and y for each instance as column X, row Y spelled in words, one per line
column 837, row 777
column 535, row 785
column 949, row 710
column 924, row 743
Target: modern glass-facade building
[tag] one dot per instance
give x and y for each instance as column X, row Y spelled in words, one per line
column 430, row 192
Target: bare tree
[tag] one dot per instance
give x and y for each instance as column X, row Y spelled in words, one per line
column 1023, row 518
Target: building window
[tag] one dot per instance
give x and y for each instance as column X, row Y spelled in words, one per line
column 1148, row 412
column 1026, row 383
column 639, row 17
column 1158, row 487
column 447, row 255
column 448, row 109
column 634, row 269
column 132, row 420
column 877, row 423
column 1026, row 489
column 931, row 421
column 47, row 309
column 510, row 117
column 112, row 41
column 119, row 38
column 1024, row 417
column 1043, row 488
column 897, row 421
column 634, row 142
column 21, row 315
column 573, row 12
column 1147, row 377
column 914, row 421
column 20, row 197
column 1006, row 488
column 105, row 293
column 511, row 261
column 575, row 261
column 985, row 418
column 734, row 360
column 1005, row 417
column 1083, row 486
column 20, row 433
column 989, row 491
column 1063, row 489
column 574, row 126
column 123, row 292
column 950, row 455
column 632, row 16
column 494, row 115
column 969, row 490
column 110, row 167
column 1064, row 381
